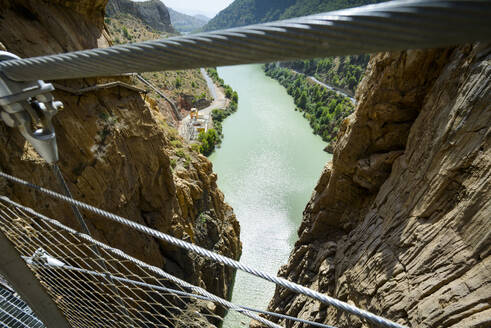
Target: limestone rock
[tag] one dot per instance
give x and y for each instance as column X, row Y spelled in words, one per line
column 399, row 223
column 151, row 12
column 115, row 154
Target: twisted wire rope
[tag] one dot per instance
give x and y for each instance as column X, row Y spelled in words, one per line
column 388, row 26
column 178, row 292
column 211, row 255
column 83, row 302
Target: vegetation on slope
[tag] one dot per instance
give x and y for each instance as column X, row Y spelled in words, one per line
column 208, row 140
column 125, row 28
column 324, row 109
column 152, row 12
column 219, row 115
column 245, row 12
column 342, row 72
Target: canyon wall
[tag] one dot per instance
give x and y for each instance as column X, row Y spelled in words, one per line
column 151, row 12
column 117, row 153
column 400, row 220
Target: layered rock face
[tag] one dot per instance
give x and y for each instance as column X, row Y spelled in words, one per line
column 400, row 221
column 115, row 151
column 151, row 12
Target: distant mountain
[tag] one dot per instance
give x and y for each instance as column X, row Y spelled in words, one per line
column 202, row 17
column 153, row 13
column 246, row 12
column 187, row 23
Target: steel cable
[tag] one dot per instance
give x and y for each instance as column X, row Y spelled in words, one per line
column 174, row 291
column 389, row 26
column 121, row 256
column 85, row 228
column 211, row 255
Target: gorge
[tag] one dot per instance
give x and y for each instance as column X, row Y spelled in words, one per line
column 398, row 222
column 267, row 166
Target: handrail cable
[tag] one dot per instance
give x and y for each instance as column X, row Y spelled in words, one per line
column 85, row 229
column 387, row 26
column 211, row 255
column 175, row 291
column 160, row 93
column 33, row 260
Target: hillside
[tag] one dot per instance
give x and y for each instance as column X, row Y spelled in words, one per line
column 152, row 12
column 245, row 12
column 323, row 109
column 399, row 221
column 186, row 88
column 342, row 72
column 186, row 23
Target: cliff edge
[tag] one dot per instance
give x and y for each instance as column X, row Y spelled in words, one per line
column 117, row 153
column 399, row 222
column 152, row 12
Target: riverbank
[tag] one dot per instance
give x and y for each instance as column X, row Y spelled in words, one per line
column 190, row 128
column 323, row 107
column 343, row 92
column 204, row 132
column 219, row 114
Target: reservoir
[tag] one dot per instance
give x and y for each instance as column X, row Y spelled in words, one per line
column 267, row 166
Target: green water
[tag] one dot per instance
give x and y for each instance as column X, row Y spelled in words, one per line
column 267, row 167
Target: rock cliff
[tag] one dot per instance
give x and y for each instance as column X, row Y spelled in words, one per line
column 152, row 12
column 399, row 222
column 118, row 153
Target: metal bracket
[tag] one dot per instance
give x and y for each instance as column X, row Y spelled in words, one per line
column 30, row 107
column 41, row 257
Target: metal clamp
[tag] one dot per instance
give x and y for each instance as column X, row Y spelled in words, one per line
column 30, row 107
column 41, row 257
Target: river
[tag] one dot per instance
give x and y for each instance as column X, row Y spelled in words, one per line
column 267, row 166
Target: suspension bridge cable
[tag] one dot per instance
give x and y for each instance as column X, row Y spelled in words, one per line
column 214, row 256
column 172, row 291
column 121, row 255
column 388, row 26
column 85, row 229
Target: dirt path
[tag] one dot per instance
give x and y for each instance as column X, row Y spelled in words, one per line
column 220, row 100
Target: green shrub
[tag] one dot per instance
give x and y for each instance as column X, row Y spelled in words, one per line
column 176, row 143
column 208, row 141
column 180, row 153
column 195, row 147
column 126, row 34
column 324, row 109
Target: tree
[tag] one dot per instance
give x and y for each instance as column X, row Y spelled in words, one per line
column 208, row 141
column 302, row 102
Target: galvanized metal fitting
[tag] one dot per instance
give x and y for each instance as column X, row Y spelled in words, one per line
column 41, row 257
column 30, row 107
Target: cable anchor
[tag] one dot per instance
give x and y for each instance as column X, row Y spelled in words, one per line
column 30, row 107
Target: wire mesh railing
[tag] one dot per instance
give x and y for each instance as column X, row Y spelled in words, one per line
column 197, row 250
column 119, row 293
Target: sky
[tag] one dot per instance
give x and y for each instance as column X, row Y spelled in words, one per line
column 193, row 7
